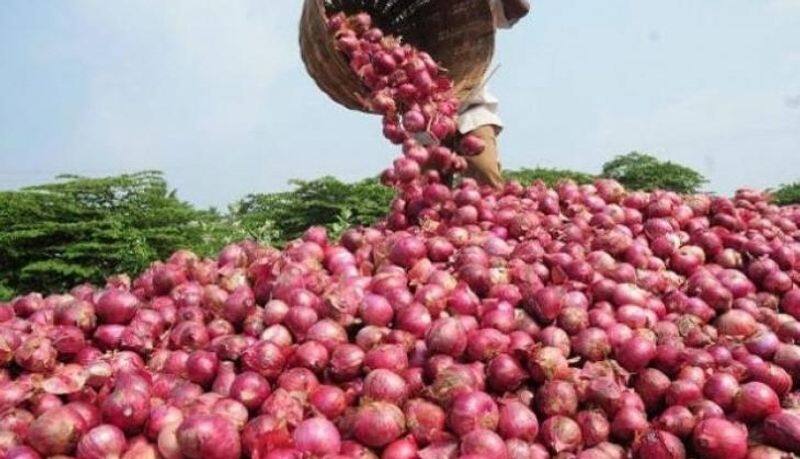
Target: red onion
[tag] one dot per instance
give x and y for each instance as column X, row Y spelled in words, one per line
column 483, row 443
column 265, row 358
column 627, row 423
column 658, row 444
column 636, row 353
column 556, row 398
column 561, row 434
column 594, row 425
column 385, row 386
column 103, row 442
column 208, row 436
column 317, row 436
column 782, row 430
column 651, row 385
column 447, row 336
column 517, row 421
column 721, row 388
column 126, row 408
column 377, row 424
column 473, row 410
column 250, row 388
column 720, row 439
column 755, row 401
column 116, row 306
column 56, row 432
column 504, row 373
column 682, row 392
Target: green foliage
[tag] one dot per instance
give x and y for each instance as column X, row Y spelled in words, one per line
column 82, row 229
column 549, row 176
column 280, row 217
column 787, row 194
column 640, row 171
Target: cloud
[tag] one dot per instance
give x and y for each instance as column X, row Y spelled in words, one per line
column 793, row 102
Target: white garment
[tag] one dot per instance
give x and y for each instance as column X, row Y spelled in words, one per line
column 481, row 108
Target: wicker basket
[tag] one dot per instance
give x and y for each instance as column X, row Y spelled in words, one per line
column 459, row 34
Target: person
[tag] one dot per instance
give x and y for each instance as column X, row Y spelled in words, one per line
column 478, row 115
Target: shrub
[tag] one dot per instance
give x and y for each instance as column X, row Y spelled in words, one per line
column 787, row 194
column 548, row 176
column 82, row 229
column 280, row 217
column 644, row 172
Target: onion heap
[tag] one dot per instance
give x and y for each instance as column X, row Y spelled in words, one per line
column 528, row 322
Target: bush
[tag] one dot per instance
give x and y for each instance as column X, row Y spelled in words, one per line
column 549, row 176
column 83, row 229
column 640, row 171
column 787, row 194
column 280, row 217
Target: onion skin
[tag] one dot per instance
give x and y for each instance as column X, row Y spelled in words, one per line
column 471, row 411
column 756, row 401
column 208, row 436
column 377, row 424
column 57, row 431
column 657, row 444
column 561, row 434
column 317, row 436
column 517, row 421
column 103, row 442
column 782, row 430
column 719, row 439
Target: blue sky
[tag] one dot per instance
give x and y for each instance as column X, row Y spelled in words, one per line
column 214, row 92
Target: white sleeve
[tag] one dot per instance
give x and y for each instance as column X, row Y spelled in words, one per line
column 479, row 110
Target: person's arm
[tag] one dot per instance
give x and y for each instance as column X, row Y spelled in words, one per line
column 508, row 12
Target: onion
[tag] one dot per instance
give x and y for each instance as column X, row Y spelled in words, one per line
column 755, row 401
column 594, row 425
column 682, row 392
column 127, row 408
column 250, row 388
column 627, row 423
column 556, row 398
column 720, row 439
column 57, row 431
column 483, row 443
column 783, row 430
column 721, row 388
column 377, row 424
column 208, row 436
column 317, row 436
column 116, row 306
column 658, row 444
column 561, row 434
column 265, row 358
column 473, row 410
column 517, row 421
column 425, row 420
column 636, row 353
column 447, row 336
column 102, row 442
column 385, row 386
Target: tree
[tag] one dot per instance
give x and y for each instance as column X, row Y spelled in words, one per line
column 280, row 217
column 80, row 229
column 641, row 171
column 787, row 194
column 549, row 176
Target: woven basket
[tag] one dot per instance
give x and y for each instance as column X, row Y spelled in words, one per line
column 459, row 34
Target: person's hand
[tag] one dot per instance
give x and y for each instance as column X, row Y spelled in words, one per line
column 515, row 9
